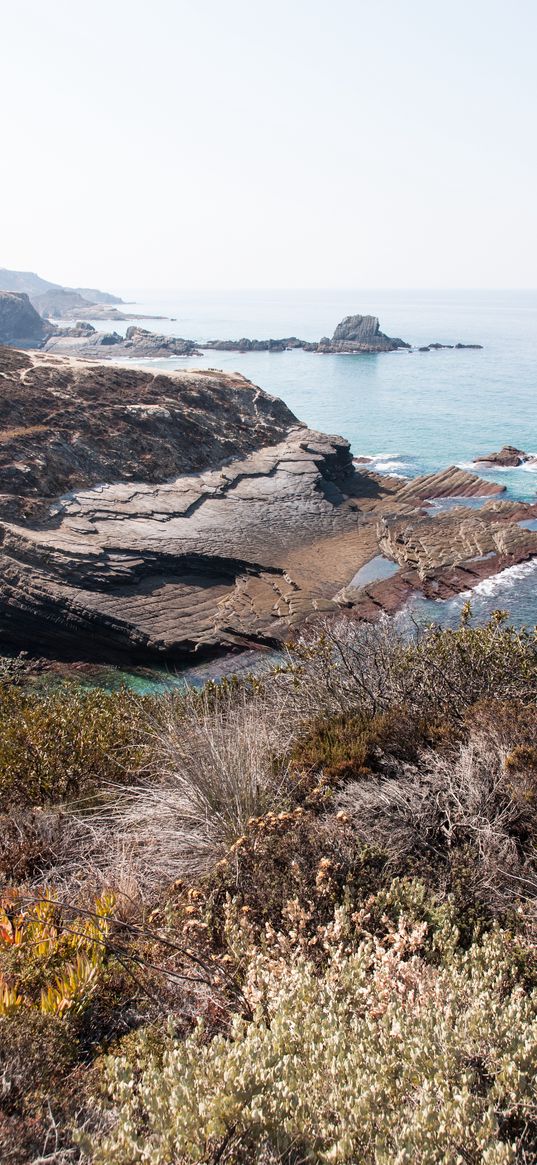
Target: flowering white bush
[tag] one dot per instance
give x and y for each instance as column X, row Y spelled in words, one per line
column 379, row 1057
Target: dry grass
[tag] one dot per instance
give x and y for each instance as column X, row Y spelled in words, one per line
column 211, row 766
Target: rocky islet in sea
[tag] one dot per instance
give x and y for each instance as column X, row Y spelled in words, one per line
column 508, row 457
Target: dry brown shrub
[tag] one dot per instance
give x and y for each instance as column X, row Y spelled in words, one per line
column 463, row 805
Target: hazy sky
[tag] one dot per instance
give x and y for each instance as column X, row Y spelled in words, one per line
column 270, row 143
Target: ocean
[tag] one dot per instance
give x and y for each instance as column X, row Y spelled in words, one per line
column 411, row 412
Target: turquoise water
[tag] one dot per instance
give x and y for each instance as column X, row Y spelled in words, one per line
column 420, row 410
column 413, row 413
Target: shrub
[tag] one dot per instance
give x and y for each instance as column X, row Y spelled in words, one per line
column 353, row 744
column 470, row 811
column 380, row 1058
column 31, row 841
column 343, row 665
column 292, row 856
column 37, row 1060
column 68, row 742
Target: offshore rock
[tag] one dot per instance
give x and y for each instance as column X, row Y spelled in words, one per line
column 439, row 347
column 362, row 334
column 245, row 345
column 506, row 457
column 353, row 334
column 448, row 483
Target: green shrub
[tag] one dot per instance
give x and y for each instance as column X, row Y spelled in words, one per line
column 350, row 744
column 451, row 670
column 66, row 743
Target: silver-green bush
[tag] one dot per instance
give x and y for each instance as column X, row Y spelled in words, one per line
column 381, row 1058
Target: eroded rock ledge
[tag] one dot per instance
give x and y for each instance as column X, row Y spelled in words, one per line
column 145, row 517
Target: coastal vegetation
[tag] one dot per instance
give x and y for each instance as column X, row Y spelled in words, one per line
column 285, row 919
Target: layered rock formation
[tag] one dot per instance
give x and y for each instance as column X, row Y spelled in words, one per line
column 362, row 334
column 145, row 516
column 20, row 324
column 452, row 551
column 208, row 481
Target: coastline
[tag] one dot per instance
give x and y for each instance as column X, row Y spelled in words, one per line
column 250, row 542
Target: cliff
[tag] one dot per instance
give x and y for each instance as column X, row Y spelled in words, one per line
column 58, row 302
column 20, row 324
column 145, row 515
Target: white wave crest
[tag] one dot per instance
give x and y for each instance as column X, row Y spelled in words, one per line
column 506, row 580
column 391, row 463
column 486, row 467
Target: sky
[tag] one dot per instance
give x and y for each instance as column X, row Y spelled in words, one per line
column 166, row 144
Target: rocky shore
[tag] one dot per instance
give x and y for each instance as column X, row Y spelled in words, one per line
column 353, row 334
column 22, row 324
column 84, row 340
column 148, row 516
